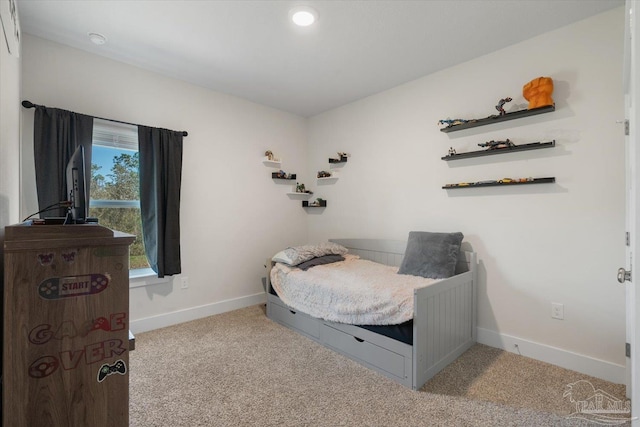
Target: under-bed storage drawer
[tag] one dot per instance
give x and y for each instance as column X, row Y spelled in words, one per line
column 299, row 321
column 370, row 354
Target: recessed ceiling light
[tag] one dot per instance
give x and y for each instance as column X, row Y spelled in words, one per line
column 97, row 38
column 303, row 16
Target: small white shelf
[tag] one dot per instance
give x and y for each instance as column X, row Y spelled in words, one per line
column 296, row 195
column 271, row 163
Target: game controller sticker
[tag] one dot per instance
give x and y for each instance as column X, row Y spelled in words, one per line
column 117, row 368
column 43, row 367
column 45, row 259
column 101, row 323
column 73, row 286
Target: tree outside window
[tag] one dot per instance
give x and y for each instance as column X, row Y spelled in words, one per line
column 115, row 194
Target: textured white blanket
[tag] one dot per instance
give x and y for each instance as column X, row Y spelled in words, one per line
column 353, row 291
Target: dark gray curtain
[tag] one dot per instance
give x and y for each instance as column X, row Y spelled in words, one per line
column 56, row 135
column 160, row 153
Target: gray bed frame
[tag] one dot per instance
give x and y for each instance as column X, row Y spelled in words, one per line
column 444, row 322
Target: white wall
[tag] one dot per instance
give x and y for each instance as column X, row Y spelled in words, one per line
column 9, row 135
column 10, row 64
column 233, row 215
column 537, row 244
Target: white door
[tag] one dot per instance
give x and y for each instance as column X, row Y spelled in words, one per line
column 632, row 100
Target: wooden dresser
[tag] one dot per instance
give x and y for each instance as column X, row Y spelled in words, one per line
column 66, row 326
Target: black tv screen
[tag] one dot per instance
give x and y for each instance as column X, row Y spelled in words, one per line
column 76, row 187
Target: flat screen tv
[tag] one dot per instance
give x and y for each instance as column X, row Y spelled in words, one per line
column 76, row 188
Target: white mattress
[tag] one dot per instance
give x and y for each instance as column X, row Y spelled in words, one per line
column 352, row 291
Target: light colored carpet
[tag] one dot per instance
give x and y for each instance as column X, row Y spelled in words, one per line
column 493, row 375
column 242, row 369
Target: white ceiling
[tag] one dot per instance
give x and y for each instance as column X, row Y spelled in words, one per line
column 251, row 50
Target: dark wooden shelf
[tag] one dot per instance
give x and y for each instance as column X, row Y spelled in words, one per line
column 323, row 204
column 496, row 183
column 340, row 160
column 274, row 175
column 497, row 119
column 481, row 153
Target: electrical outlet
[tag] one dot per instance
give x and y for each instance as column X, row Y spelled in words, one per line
column 184, row 284
column 557, row 310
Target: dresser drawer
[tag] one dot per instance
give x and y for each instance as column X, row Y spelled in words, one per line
column 393, row 364
column 299, row 321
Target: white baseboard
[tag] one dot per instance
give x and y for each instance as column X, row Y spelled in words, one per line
column 555, row 356
column 193, row 313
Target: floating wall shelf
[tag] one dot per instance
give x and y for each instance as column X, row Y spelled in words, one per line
column 340, row 160
column 272, row 163
column 323, row 204
column 481, row 153
column 497, row 183
column 497, row 119
column 299, row 195
column 274, row 175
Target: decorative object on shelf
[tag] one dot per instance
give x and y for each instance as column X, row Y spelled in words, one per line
column 496, row 118
column 324, row 174
column 283, row 175
column 300, row 188
column 342, row 158
column 501, row 182
column 500, row 106
column 268, row 155
column 452, row 151
column 270, row 160
column 317, row 203
column 494, row 145
column 538, row 92
column 453, row 122
column 512, row 149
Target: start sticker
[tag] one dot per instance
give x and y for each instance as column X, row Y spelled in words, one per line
column 73, row 286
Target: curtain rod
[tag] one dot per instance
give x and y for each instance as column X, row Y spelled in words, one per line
column 29, row 104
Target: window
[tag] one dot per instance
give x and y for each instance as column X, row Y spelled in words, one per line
column 115, row 194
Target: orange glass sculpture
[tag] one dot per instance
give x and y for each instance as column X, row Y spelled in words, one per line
column 538, row 92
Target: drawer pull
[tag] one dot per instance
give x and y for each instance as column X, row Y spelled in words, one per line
column 292, row 312
column 359, row 339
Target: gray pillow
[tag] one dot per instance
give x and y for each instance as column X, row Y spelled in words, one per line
column 295, row 255
column 432, row 255
column 321, row 260
column 461, row 264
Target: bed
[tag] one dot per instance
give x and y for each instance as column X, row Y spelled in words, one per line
column 443, row 323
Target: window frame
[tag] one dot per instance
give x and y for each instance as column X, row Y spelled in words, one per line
column 123, row 137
